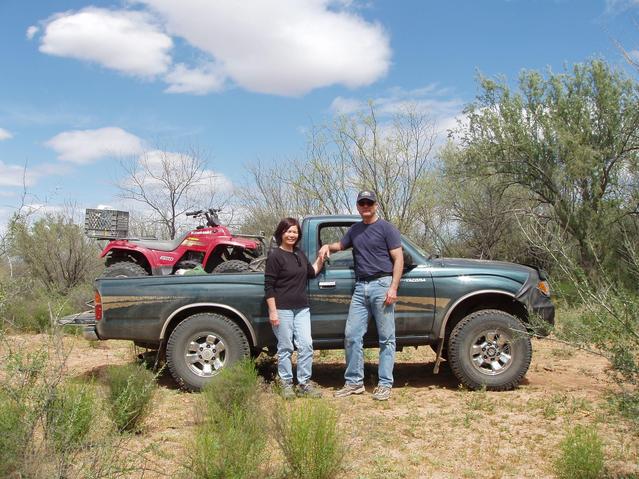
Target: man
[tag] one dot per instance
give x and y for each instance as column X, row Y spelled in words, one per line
column 377, row 251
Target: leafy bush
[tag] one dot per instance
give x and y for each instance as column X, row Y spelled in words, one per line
column 233, row 387
column 231, row 437
column 310, row 440
column 581, row 455
column 13, row 434
column 230, row 445
column 55, row 251
column 69, row 415
column 131, row 389
column 26, row 306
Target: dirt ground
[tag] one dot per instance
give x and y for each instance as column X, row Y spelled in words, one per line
column 431, row 428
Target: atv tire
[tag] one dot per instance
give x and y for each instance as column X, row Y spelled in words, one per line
column 124, row 269
column 232, row 266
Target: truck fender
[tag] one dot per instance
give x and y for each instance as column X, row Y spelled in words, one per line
column 235, row 312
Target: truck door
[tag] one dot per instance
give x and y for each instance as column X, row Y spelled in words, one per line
column 330, row 292
column 330, row 295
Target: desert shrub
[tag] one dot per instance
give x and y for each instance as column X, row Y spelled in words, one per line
column 581, row 455
column 26, row 306
column 13, row 434
column 627, row 403
column 308, row 436
column 230, row 444
column 131, row 389
column 69, row 415
column 55, row 251
column 233, row 387
column 231, row 438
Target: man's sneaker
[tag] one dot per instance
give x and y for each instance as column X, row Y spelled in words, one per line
column 287, row 391
column 308, row 390
column 381, row 393
column 349, row 389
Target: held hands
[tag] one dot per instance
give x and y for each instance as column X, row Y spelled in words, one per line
column 323, row 253
column 273, row 318
column 391, row 296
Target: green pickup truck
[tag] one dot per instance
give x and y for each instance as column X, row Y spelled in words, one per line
column 475, row 314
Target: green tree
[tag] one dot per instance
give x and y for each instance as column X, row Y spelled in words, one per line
column 55, row 251
column 569, row 140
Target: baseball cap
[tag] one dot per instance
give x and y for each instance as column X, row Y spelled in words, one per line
column 366, row 195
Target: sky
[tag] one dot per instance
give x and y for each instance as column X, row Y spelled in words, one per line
column 87, row 84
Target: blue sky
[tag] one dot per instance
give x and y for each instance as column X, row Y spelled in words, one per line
column 86, row 83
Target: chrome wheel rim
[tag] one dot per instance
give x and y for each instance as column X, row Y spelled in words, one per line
column 205, row 354
column 491, row 351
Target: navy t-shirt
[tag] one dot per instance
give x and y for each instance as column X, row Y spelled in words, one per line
column 371, row 244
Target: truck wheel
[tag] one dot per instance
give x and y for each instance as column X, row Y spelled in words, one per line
column 201, row 345
column 489, row 348
column 232, row 266
column 124, row 269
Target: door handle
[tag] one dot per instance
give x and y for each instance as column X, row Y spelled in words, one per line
column 326, row 284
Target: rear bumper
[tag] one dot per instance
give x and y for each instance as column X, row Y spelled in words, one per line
column 86, row 320
column 89, row 333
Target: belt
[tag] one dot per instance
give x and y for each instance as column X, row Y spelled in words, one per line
column 373, row 277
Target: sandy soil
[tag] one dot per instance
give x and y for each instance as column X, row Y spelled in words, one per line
column 431, row 428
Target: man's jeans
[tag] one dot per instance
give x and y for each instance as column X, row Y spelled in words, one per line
column 368, row 299
column 294, row 328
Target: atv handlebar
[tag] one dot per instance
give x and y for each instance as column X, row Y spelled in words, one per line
column 210, row 214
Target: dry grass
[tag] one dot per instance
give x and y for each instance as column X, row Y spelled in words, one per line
column 429, row 428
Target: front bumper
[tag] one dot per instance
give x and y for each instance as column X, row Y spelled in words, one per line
column 542, row 311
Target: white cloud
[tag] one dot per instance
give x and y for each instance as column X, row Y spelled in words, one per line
column 199, row 81
column 347, row 106
column 25, row 175
column 436, row 103
column 86, row 146
column 126, row 41
column 14, row 175
column 619, row 6
column 31, row 32
column 5, row 134
column 285, row 47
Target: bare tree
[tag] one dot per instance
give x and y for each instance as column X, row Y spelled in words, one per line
column 391, row 159
column 168, row 184
column 354, row 152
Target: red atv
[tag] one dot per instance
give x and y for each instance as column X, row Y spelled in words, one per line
column 212, row 246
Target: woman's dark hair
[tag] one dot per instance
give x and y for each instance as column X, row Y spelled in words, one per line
column 284, row 225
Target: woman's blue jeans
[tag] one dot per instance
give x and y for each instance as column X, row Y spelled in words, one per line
column 368, row 300
column 294, row 329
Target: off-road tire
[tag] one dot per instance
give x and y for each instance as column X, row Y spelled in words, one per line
column 197, row 329
column 124, row 269
column 475, row 366
column 232, row 266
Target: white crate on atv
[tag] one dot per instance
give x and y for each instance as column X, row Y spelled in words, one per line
column 106, row 224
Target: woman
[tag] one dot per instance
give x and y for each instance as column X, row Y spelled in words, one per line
column 287, row 272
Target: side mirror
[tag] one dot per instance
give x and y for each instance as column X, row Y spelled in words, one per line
column 408, row 259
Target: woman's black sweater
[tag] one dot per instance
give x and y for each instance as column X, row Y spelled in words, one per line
column 285, row 278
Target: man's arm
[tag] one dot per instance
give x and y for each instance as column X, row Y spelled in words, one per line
column 326, row 250
column 398, row 267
